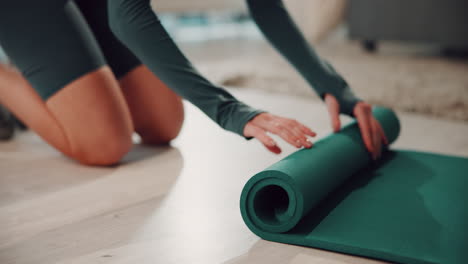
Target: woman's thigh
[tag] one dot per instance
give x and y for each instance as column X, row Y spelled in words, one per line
column 70, row 83
column 157, row 112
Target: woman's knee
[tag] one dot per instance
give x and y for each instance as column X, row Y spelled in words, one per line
column 165, row 133
column 94, row 117
column 157, row 111
column 105, row 152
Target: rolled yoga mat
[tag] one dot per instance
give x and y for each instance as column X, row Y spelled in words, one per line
column 408, row 207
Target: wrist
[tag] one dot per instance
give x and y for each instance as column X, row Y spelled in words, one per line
column 249, row 118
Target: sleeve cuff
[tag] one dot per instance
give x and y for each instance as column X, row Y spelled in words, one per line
column 246, row 119
column 346, row 99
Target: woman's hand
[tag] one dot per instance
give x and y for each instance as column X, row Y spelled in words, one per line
column 290, row 130
column 371, row 130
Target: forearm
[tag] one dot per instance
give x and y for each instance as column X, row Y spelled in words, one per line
column 278, row 27
column 138, row 27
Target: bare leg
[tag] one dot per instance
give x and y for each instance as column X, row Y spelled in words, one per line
column 157, row 111
column 87, row 120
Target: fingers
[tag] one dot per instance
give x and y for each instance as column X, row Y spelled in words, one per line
column 334, row 110
column 301, row 137
column 306, row 130
column 382, row 133
column 289, row 130
column 376, row 138
column 297, row 128
column 372, row 132
column 362, row 114
column 296, row 133
column 287, row 134
column 266, row 140
column 274, row 149
column 380, row 137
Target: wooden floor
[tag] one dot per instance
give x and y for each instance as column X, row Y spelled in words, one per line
column 174, row 204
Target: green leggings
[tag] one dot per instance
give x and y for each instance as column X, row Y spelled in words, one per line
column 52, row 45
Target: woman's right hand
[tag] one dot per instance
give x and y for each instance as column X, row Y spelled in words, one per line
column 290, row 130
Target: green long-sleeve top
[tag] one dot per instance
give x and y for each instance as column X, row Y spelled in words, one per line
column 279, row 28
column 138, row 27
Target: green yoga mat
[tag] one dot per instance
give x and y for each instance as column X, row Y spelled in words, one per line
column 408, row 207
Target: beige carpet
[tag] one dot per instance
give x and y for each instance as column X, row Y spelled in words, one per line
column 405, row 77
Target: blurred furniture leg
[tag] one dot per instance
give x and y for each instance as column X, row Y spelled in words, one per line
column 440, row 22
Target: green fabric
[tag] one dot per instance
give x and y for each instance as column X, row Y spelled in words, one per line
column 279, row 28
column 409, row 207
column 49, row 42
column 119, row 58
column 55, row 42
column 138, row 27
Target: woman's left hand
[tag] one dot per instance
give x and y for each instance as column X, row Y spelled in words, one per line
column 371, row 131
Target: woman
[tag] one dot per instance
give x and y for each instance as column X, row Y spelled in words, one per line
column 86, row 97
